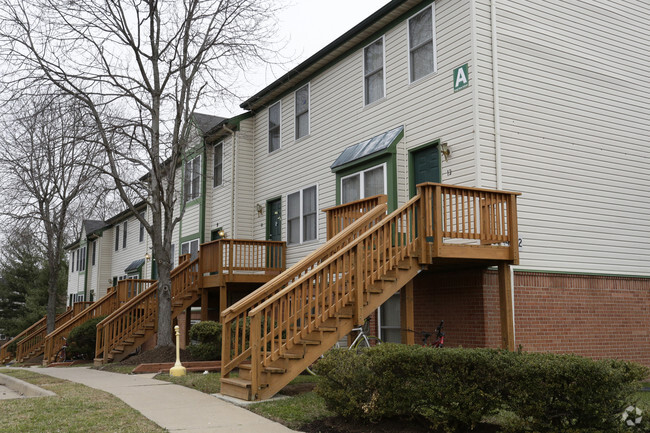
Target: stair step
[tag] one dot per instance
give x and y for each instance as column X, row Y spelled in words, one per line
column 272, row 370
column 129, row 341
column 138, row 334
column 238, row 388
column 236, row 381
column 149, row 326
column 289, row 355
column 326, row 328
column 117, row 350
column 375, row 290
column 388, row 278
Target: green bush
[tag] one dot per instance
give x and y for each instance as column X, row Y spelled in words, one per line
column 12, row 347
column 207, row 334
column 82, row 339
column 455, row 389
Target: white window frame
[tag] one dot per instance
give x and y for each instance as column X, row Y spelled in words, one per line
column 124, row 234
column 142, row 234
column 302, row 216
column 193, row 195
column 94, row 244
column 117, row 237
column 361, row 174
column 189, row 245
column 295, row 114
column 383, row 68
column 214, row 166
column 435, row 47
column 279, row 104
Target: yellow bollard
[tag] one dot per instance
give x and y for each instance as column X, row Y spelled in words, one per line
column 177, row 369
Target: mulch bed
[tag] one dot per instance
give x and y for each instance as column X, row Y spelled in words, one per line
column 190, row 366
column 341, row 425
column 157, row 356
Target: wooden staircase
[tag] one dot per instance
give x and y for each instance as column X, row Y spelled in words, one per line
column 5, row 355
column 136, row 321
column 303, row 312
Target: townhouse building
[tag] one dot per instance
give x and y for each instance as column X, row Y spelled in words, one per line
column 548, row 99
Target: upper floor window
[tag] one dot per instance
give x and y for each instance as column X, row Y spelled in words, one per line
column 117, row 237
column 72, row 262
column 218, row 165
column 124, row 235
column 193, row 178
column 302, row 216
column 365, row 183
column 422, row 44
column 302, row 111
column 142, row 215
column 274, row 127
column 373, row 71
column 81, row 259
column 191, row 248
column 94, row 252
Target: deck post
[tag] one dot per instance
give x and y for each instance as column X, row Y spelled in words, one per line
column 223, row 299
column 188, row 324
column 256, row 355
column 506, row 302
column 204, row 304
column 406, row 314
column 513, row 232
column 359, row 283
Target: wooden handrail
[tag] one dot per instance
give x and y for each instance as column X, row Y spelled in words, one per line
column 234, row 350
column 5, row 347
column 37, row 337
column 234, row 255
column 341, row 216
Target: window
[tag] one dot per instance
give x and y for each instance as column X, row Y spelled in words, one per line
column 218, row 165
column 302, row 111
column 301, row 216
column 389, row 319
column 364, row 184
column 94, row 252
column 422, row 47
column 142, row 215
column 124, row 236
column 117, row 238
column 72, row 262
column 373, row 71
column 191, row 248
column 81, row 259
column 274, row 127
column 192, row 178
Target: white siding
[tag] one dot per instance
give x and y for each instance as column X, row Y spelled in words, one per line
column 244, row 181
column 134, row 248
column 575, row 85
column 428, row 109
column 221, row 196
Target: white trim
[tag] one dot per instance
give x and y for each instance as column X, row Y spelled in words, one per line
column 362, row 180
column 268, row 129
column 301, row 215
column 408, row 42
column 295, row 115
column 383, row 69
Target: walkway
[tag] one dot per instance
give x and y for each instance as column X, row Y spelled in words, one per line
column 174, row 407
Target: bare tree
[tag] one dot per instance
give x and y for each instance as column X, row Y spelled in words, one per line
column 48, row 176
column 141, row 67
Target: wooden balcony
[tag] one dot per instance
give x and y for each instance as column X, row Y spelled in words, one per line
column 240, row 261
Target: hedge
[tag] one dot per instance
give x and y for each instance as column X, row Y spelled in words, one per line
column 82, row 339
column 207, row 335
column 455, row 389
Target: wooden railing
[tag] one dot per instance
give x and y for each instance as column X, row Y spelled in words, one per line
column 37, row 337
column 234, row 255
column 453, row 213
column 236, row 349
column 339, row 217
column 4, row 353
column 78, row 307
column 279, row 323
column 130, row 288
column 141, row 312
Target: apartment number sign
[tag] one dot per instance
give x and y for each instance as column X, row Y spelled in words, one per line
column 461, row 77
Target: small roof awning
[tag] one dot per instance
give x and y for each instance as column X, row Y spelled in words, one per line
column 134, row 266
column 371, row 148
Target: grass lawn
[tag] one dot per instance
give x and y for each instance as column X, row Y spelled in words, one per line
column 294, row 412
column 209, row 383
column 76, row 408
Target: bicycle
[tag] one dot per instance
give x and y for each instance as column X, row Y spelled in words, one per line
column 62, row 355
column 440, row 337
column 361, row 341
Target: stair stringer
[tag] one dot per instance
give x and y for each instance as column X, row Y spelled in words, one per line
column 272, row 383
column 135, row 340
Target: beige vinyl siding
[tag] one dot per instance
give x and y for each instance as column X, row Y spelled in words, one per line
column 104, row 263
column 244, row 181
column 134, row 250
column 190, row 221
column 76, row 278
column 575, row 81
column 428, row 109
column 221, row 196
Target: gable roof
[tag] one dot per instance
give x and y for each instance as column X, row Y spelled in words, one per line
column 92, row 226
column 205, row 122
column 328, row 56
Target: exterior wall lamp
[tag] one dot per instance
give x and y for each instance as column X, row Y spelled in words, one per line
column 444, row 150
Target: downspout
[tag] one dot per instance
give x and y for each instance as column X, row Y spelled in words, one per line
column 475, row 96
column 495, row 93
column 232, row 183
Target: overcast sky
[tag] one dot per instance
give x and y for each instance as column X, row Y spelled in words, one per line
column 306, row 26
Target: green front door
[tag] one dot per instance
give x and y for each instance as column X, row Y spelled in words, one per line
column 273, row 231
column 424, row 166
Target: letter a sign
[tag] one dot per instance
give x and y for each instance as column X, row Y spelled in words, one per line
column 461, row 77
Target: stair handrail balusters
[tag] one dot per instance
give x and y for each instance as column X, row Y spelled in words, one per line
column 37, row 337
column 341, row 216
column 4, row 349
column 322, row 292
column 140, row 310
column 234, row 317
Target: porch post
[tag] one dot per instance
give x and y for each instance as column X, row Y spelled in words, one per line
column 188, row 324
column 506, row 302
column 204, row 305
column 223, row 299
column 407, row 320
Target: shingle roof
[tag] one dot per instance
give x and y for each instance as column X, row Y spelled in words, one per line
column 91, row 226
column 205, row 122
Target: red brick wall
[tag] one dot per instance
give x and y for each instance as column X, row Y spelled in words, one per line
column 595, row 316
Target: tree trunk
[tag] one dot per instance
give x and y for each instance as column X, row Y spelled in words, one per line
column 164, row 306
column 52, row 298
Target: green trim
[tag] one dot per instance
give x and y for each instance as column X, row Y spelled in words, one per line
column 392, row 148
column 412, row 189
column 382, row 31
column 268, row 216
column 189, row 238
column 390, row 159
column 588, row 274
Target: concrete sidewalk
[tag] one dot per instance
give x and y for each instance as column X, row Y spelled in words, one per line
column 174, row 407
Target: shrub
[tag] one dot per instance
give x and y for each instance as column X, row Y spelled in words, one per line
column 454, row 389
column 12, row 347
column 82, row 339
column 208, row 336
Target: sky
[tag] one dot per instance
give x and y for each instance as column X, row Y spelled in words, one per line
column 306, row 26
